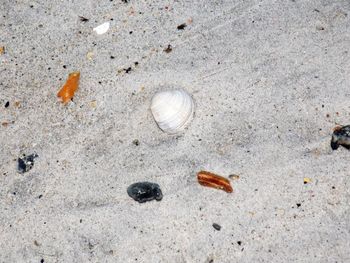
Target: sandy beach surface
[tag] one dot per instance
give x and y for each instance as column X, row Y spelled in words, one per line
column 270, row 81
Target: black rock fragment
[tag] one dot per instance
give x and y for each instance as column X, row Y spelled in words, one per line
column 181, row 27
column 25, row 163
column 341, row 136
column 217, row 226
column 145, row 191
column 83, row 19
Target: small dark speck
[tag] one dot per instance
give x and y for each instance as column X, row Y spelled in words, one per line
column 322, row 106
column 81, row 220
column 316, row 10
column 130, row 32
column 100, row 82
column 112, row 57
column 181, row 27
column 40, row 196
column 239, row 243
column 14, row 193
column 83, row 19
column 211, row 261
column 136, row 142
column 7, row 104
column 31, row 6
column 125, row 1
column 64, row 66
column 136, row 63
column 217, row 226
column 333, row 187
column 168, row 49
column 42, row 260
column 128, row 70
column 298, row 204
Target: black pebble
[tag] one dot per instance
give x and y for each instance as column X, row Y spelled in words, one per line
column 341, row 136
column 127, row 70
column 145, row 191
column 26, row 163
column 83, row 19
column 181, row 27
column 217, row 227
column 7, row 104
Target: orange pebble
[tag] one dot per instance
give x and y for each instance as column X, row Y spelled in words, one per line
column 215, row 181
column 66, row 93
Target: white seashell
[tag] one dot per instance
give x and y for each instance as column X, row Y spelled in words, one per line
column 101, row 29
column 172, row 110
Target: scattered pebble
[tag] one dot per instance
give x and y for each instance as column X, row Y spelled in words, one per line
column 144, row 192
column 93, row 104
column 25, row 163
column 127, row 70
column 2, row 50
column 7, row 104
column 66, row 93
column 101, row 29
column 217, row 226
column 233, row 176
column 239, row 243
column 168, row 49
column 90, row 55
column 182, row 26
column 307, row 180
column 136, row 142
column 341, row 137
column 83, row 19
column 319, row 27
column 215, row 181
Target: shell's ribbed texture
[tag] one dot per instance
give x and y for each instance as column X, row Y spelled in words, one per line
column 172, row 110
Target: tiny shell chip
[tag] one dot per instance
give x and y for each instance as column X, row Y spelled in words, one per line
column 144, row 192
column 101, row 29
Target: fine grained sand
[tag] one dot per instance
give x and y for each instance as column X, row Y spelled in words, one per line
column 270, row 80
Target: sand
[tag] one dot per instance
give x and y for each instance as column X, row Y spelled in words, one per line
column 270, row 80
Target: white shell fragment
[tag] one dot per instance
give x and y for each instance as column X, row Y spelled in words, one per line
column 172, row 110
column 101, row 29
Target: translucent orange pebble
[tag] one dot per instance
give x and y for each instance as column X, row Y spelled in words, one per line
column 215, row 181
column 66, row 93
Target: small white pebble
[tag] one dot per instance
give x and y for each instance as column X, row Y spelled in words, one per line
column 101, row 29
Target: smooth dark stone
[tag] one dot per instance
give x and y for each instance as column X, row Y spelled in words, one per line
column 145, row 191
column 341, row 136
column 217, row 226
column 26, row 163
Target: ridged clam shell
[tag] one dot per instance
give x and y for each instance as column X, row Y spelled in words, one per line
column 172, row 110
